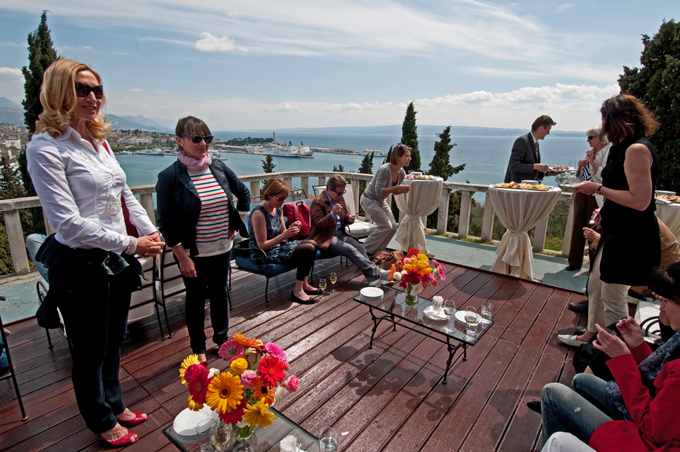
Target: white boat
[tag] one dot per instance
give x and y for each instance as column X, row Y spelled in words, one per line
column 281, row 151
column 151, row 152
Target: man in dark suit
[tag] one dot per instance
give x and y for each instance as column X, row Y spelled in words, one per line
column 525, row 160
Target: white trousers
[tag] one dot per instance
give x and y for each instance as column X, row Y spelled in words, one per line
column 565, row 442
column 607, row 303
column 381, row 214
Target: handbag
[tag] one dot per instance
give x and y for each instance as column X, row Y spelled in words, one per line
column 298, row 211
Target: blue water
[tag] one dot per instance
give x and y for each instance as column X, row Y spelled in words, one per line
column 486, row 157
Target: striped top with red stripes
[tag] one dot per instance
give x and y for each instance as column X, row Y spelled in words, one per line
column 213, row 222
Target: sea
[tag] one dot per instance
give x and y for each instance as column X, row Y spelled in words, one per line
column 484, row 151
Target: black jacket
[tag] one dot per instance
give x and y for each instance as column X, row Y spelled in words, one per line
column 179, row 204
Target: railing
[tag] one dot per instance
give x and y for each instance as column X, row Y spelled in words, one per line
column 10, row 209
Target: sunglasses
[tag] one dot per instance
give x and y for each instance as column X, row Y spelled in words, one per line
column 590, row 137
column 280, row 199
column 341, row 193
column 83, row 90
column 197, row 138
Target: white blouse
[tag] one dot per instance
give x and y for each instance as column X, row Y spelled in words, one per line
column 80, row 188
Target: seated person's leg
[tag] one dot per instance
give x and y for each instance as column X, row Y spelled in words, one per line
column 344, row 245
column 33, row 244
column 564, row 410
column 594, row 389
column 565, row 442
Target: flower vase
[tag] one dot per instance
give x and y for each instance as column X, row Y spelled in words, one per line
column 220, row 435
column 411, row 295
column 243, row 435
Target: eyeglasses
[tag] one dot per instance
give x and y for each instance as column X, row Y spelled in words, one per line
column 197, row 138
column 590, row 137
column 83, row 90
column 280, row 199
column 341, row 193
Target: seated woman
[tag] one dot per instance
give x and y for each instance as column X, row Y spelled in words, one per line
column 640, row 414
column 269, row 232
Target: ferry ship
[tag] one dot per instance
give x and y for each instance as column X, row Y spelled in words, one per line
column 278, row 150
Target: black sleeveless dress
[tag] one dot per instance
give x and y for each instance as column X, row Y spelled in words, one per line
column 630, row 238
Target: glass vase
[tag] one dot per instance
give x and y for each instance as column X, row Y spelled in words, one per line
column 243, row 435
column 220, row 436
column 411, row 296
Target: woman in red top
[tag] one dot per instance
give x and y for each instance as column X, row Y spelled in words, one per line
column 655, row 424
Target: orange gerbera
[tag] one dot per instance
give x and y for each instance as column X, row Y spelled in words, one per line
column 262, row 391
column 224, row 393
column 248, row 342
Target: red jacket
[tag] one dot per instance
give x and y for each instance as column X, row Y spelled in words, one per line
column 656, row 421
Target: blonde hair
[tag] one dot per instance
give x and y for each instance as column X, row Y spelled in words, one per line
column 58, row 99
column 274, row 187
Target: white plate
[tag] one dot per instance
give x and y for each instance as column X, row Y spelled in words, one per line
column 371, row 293
column 431, row 313
column 460, row 316
column 663, row 192
column 559, row 171
column 185, row 423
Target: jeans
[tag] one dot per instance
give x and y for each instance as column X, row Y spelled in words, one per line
column 210, row 282
column 564, row 410
column 345, row 245
column 33, row 244
column 593, row 389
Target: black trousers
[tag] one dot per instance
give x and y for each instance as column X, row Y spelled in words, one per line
column 210, row 282
column 95, row 308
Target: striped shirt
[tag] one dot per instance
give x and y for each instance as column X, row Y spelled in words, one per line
column 213, row 222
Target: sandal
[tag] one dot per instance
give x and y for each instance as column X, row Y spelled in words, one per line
column 126, row 440
column 138, row 419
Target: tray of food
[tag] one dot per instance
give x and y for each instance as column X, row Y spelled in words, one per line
column 519, row 186
column 561, row 168
column 422, row 177
column 667, row 199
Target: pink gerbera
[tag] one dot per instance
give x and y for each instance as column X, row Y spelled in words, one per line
column 230, row 349
column 274, row 350
column 441, row 271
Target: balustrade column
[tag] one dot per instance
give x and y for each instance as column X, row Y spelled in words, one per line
column 464, row 220
column 487, row 221
column 443, row 211
column 15, row 237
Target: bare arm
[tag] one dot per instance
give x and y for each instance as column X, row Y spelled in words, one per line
column 186, row 264
column 260, row 231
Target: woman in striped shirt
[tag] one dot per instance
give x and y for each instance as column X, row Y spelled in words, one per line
column 194, row 201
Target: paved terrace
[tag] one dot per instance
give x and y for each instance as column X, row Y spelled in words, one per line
column 390, row 398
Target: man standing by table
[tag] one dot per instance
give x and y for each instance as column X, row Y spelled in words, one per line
column 525, row 160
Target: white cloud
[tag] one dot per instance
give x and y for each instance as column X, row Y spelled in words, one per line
column 284, row 107
column 136, row 90
column 564, row 7
column 211, row 43
column 11, row 71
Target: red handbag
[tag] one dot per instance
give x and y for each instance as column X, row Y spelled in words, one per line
column 298, row 212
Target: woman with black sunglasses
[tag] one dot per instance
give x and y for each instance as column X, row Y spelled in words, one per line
column 92, row 268
column 198, row 221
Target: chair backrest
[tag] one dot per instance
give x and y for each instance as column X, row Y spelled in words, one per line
column 142, row 301
column 348, row 196
column 170, row 282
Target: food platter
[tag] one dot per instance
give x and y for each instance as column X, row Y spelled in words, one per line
column 667, row 199
column 559, row 169
column 516, row 186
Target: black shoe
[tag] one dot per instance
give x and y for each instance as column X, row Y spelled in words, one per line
column 297, row 300
column 579, row 308
column 572, row 268
column 580, row 330
column 314, row 292
column 535, row 406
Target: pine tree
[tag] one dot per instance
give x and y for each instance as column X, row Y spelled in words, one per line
column 40, row 55
column 10, row 182
column 388, row 157
column 409, row 137
column 268, row 164
column 367, row 164
column 338, row 169
column 440, row 166
column 657, row 83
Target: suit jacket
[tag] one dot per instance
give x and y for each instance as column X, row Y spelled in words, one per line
column 179, row 204
column 323, row 222
column 522, row 159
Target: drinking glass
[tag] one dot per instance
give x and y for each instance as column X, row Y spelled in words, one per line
column 334, row 279
column 204, row 434
column 449, row 307
column 487, row 312
column 322, row 286
column 437, row 304
column 328, row 440
column 471, row 321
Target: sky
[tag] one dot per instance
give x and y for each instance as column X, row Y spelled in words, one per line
column 268, row 64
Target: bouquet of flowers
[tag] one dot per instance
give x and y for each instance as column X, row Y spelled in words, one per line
column 242, row 394
column 415, row 272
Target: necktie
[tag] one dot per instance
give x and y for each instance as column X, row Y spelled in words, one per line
column 538, row 156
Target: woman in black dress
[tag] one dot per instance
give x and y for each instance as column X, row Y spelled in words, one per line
column 629, row 248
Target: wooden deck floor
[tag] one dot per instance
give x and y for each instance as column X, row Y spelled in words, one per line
column 390, row 398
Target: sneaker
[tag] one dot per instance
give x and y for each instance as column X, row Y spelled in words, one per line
column 570, row 340
column 384, row 274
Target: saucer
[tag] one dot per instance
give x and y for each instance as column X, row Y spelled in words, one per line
column 435, row 315
column 371, row 293
column 460, row 316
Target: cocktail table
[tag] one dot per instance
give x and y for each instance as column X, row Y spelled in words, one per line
column 265, row 439
column 393, row 308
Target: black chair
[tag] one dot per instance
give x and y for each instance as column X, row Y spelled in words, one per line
column 42, row 293
column 9, row 373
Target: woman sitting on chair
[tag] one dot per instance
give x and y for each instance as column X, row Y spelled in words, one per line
column 269, row 232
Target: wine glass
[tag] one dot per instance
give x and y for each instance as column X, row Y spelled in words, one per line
column 449, row 307
column 322, row 286
column 328, row 440
column 333, row 278
column 471, row 321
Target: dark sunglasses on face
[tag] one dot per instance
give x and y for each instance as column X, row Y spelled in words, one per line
column 590, row 137
column 197, row 138
column 280, row 198
column 341, row 192
column 83, row 90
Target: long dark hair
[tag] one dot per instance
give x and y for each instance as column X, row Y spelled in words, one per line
column 626, row 116
column 666, row 282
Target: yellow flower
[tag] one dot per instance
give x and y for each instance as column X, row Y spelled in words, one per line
column 422, row 265
column 407, row 267
column 422, row 257
column 428, row 270
column 193, row 406
column 224, row 393
column 189, row 361
column 238, row 366
column 258, row 414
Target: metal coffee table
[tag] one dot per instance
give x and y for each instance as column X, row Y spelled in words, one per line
column 450, row 331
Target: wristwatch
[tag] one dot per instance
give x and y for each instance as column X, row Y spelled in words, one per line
column 599, row 189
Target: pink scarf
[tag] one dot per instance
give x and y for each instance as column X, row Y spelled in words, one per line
column 192, row 163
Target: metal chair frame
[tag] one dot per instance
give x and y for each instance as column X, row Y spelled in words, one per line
column 10, row 371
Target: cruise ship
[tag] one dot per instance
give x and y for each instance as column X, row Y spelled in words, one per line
column 278, row 150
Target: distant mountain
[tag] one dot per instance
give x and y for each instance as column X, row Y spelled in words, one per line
column 11, row 112
column 5, row 102
column 136, row 122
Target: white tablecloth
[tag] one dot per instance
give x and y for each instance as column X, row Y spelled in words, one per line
column 670, row 215
column 519, row 211
column 421, row 200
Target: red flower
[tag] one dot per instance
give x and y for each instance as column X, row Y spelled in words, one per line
column 412, row 277
column 198, row 383
column 412, row 251
column 271, row 371
column 236, row 415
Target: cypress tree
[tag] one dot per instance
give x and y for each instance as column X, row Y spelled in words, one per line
column 440, row 164
column 409, row 137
